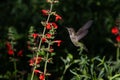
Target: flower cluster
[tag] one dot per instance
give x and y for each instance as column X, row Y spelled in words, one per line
column 9, row 48
column 42, row 43
column 41, row 75
column 11, row 43
column 47, row 12
column 115, row 30
column 32, row 61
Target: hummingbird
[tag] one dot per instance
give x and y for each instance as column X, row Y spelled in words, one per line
column 76, row 36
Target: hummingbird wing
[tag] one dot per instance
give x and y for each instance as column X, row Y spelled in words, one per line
column 84, row 30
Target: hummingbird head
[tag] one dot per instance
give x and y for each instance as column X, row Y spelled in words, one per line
column 70, row 31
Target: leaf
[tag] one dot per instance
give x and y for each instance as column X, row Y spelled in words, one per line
column 109, row 40
column 76, row 61
column 64, row 61
column 29, row 55
column 76, row 74
column 101, row 74
column 53, row 53
column 42, row 52
column 69, row 57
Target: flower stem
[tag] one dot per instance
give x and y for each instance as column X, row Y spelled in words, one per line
column 65, row 69
column 15, row 69
column 63, row 73
column 46, row 60
column 39, row 46
column 14, row 63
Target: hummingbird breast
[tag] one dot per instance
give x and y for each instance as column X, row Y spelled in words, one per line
column 73, row 38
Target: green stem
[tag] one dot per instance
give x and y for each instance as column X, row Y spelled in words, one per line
column 46, row 60
column 117, row 75
column 66, row 67
column 118, row 54
column 14, row 62
column 63, row 73
column 15, row 69
column 81, row 50
column 39, row 46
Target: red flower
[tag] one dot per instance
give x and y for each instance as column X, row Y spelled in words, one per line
column 48, row 35
column 9, row 48
column 38, row 60
column 35, row 35
column 58, row 42
column 118, row 38
column 115, row 30
column 37, row 71
column 8, row 45
column 57, row 17
column 33, row 60
column 41, row 77
column 48, row 26
column 10, row 52
column 54, row 25
column 20, row 53
column 45, row 12
column 44, row 40
column 51, row 49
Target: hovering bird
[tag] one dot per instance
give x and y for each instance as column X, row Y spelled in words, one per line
column 76, row 36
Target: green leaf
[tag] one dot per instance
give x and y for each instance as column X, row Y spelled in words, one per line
column 69, row 57
column 29, row 55
column 42, row 52
column 53, row 53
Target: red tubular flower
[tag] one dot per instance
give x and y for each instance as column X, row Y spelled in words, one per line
column 35, row 35
column 58, row 42
column 20, row 53
column 57, row 17
column 37, row 71
column 33, row 60
column 51, row 49
column 9, row 48
column 48, row 35
column 10, row 52
column 42, row 77
column 54, row 25
column 45, row 12
column 118, row 38
column 44, row 40
column 38, row 60
column 115, row 30
column 48, row 26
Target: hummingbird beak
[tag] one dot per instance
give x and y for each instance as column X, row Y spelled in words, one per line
column 67, row 28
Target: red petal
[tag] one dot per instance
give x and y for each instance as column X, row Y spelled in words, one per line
column 115, row 30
